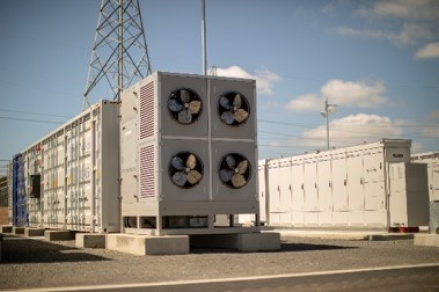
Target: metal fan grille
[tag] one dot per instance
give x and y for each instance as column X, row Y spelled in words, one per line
column 235, row 170
column 185, row 170
column 185, row 106
column 234, row 109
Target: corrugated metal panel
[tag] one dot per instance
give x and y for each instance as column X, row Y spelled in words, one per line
column 147, row 111
column 147, row 179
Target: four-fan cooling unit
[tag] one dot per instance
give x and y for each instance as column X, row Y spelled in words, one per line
column 188, row 148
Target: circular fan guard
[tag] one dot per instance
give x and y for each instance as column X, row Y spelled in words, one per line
column 185, row 106
column 185, row 170
column 234, row 108
column 235, row 170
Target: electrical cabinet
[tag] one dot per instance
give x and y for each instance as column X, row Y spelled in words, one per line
column 409, row 200
column 189, row 155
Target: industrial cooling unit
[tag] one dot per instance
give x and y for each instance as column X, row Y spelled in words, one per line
column 188, row 155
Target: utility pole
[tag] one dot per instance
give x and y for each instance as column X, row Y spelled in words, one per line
column 329, row 109
column 119, row 54
column 203, row 35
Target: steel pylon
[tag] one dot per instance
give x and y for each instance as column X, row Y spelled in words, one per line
column 119, row 55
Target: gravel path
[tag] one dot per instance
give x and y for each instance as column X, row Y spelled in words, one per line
column 30, row 263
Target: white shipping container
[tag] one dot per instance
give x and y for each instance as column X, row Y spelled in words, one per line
column 78, row 165
column 341, row 187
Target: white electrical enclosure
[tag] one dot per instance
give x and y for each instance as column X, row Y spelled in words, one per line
column 341, row 187
column 409, row 201
column 76, row 167
column 432, row 161
column 188, row 155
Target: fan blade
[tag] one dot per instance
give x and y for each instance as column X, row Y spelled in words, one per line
column 194, row 176
column 242, row 167
column 238, row 181
column 177, row 163
column 191, row 161
column 230, row 161
column 226, row 174
column 185, row 116
column 240, row 115
column 179, row 178
column 195, row 107
column 237, row 102
column 228, row 117
column 185, row 96
column 225, row 103
column 174, row 105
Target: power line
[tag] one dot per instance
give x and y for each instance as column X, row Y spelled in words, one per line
column 31, row 120
column 34, row 113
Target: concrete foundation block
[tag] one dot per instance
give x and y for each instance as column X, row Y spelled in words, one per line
column 29, row 231
column 17, row 230
column 6, row 229
column 246, row 242
column 59, row 235
column 427, row 239
column 89, row 240
column 148, row 245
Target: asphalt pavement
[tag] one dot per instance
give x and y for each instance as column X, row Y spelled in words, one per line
column 35, row 263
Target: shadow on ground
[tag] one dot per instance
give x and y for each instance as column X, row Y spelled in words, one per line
column 285, row 247
column 19, row 250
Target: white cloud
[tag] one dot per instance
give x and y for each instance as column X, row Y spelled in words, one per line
column 401, row 22
column 352, row 130
column 430, row 129
column 305, row 102
column 428, row 51
column 264, row 78
column 343, row 93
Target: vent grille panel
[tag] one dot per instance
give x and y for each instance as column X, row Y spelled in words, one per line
column 147, row 111
column 147, row 179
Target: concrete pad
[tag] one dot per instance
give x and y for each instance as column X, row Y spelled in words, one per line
column 17, row 230
column 347, row 235
column 427, row 239
column 89, row 240
column 29, row 231
column 148, row 245
column 246, row 242
column 6, row 229
column 59, row 235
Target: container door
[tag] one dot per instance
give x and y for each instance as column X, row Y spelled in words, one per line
column 298, row 201
column 355, row 181
column 274, row 189
column 262, row 192
column 374, row 186
column 310, row 183
column 434, row 183
column 285, row 190
column 339, row 182
column 324, row 184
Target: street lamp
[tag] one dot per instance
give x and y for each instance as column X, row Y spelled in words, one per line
column 329, row 109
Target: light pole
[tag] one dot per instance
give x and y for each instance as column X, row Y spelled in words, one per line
column 329, row 109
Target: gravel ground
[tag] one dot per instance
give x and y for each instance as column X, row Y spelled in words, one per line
column 30, row 263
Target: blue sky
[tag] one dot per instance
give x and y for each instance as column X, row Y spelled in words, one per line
column 377, row 60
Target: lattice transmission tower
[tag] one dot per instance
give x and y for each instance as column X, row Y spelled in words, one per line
column 120, row 55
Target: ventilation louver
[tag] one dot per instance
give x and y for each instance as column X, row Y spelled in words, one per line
column 185, row 170
column 185, row 106
column 234, row 170
column 234, row 108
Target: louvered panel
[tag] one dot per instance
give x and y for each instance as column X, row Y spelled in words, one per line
column 147, row 184
column 147, row 111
